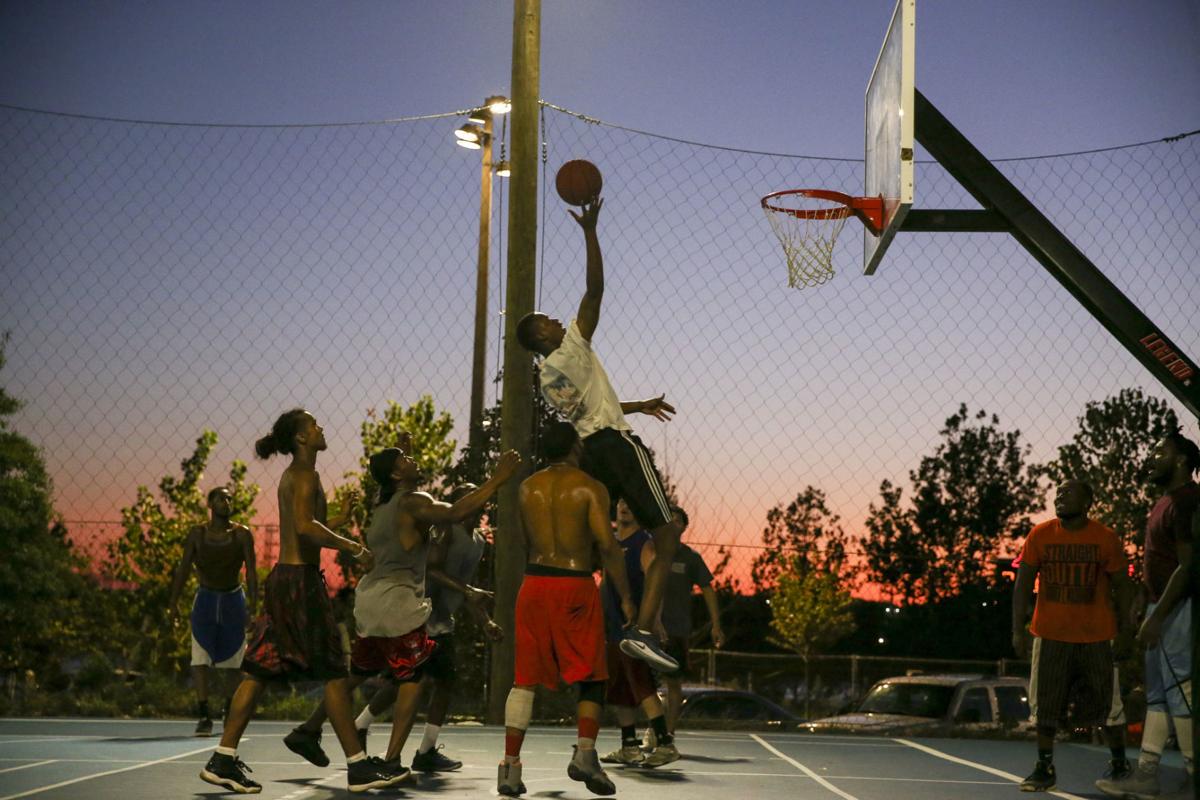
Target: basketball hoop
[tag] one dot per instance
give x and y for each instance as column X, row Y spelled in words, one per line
column 807, row 223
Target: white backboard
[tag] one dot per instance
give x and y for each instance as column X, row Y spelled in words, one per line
column 889, row 130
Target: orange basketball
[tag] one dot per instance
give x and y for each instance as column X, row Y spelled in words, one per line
column 578, row 182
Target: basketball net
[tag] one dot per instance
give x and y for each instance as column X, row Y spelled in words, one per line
column 807, row 227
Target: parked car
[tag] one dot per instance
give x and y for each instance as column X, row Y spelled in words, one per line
column 936, row 704
column 708, row 704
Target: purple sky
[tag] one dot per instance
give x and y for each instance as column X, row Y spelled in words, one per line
column 1019, row 78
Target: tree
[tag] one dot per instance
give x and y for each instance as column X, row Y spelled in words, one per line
column 46, row 595
column 810, row 611
column 1110, row 450
column 972, row 496
column 803, row 535
column 147, row 552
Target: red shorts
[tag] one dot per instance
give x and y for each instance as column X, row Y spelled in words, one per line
column 560, row 632
column 400, row 656
column 629, row 679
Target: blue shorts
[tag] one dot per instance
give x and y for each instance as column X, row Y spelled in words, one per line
column 1169, row 665
column 218, row 625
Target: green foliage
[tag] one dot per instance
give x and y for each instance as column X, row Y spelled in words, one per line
column 1110, row 450
column 973, row 495
column 810, row 609
column 803, row 535
column 45, row 597
column 149, row 549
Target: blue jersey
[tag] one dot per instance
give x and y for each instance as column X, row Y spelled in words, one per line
column 614, row 620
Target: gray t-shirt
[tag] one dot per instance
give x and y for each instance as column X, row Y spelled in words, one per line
column 464, row 549
column 575, row 383
column 687, row 570
column 390, row 599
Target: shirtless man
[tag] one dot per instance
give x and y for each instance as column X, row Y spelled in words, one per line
column 218, row 551
column 573, row 380
column 296, row 637
column 559, row 621
column 390, row 606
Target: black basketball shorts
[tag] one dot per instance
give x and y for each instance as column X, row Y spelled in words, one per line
column 620, row 461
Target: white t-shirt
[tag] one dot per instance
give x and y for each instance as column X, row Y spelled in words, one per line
column 574, row 382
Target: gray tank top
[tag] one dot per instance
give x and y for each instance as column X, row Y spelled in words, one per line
column 390, row 599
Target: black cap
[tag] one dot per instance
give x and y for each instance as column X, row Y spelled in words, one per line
column 383, row 462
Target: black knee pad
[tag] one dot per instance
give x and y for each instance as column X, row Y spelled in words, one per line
column 591, row 691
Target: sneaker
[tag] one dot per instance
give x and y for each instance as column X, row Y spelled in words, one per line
column 229, row 772
column 362, row 738
column 585, row 766
column 374, row 773
column 645, row 646
column 203, row 727
column 649, row 740
column 1140, row 784
column 627, row 754
column 307, row 745
column 1118, row 769
column 434, row 761
column 663, row 754
column 508, row 780
column 1042, row 779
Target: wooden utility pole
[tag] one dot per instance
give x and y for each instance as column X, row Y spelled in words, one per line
column 478, row 364
column 516, row 400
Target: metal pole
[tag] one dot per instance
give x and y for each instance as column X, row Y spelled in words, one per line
column 516, row 399
column 481, row 287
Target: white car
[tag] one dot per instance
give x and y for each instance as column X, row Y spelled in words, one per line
column 936, row 704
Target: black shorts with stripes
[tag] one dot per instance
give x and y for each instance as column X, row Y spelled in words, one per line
column 1072, row 671
column 620, row 461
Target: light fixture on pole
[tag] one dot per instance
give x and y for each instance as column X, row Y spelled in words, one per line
column 498, row 104
column 470, row 136
column 503, row 169
column 478, row 116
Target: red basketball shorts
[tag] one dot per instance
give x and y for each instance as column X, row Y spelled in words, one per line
column 560, row 632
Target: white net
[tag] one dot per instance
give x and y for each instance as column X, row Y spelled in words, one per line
column 807, row 228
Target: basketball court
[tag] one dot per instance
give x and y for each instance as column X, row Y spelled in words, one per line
column 150, row 759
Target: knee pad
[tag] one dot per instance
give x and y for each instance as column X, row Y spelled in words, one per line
column 518, row 709
column 591, row 692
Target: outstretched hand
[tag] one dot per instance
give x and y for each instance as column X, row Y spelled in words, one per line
column 591, row 211
column 658, row 408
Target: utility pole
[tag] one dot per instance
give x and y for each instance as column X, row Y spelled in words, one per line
column 481, row 286
column 516, row 400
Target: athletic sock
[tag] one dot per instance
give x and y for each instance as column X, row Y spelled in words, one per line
column 429, row 740
column 513, row 739
column 202, row 709
column 1046, row 756
column 1183, row 734
column 227, row 751
column 361, row 755
column 589, row 729
column 364, row 719
column 1118, row 753
column 660, row 730
column 629, row 737
column 1154, row 736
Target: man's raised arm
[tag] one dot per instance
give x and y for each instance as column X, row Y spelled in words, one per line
column 589, row 307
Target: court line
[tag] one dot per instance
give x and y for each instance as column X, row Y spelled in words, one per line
column 803, row 769
column 51, row 739
column 27, row 766
column 983, row 767
column 102, row 774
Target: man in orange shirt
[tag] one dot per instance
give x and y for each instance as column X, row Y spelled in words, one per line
column 1081, row 564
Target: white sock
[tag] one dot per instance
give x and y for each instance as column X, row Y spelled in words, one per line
column 587, row 744
column 361, row 755
column 1154, row 737
column 364, row 719
column 227, row 751
column 429, row 740
column 1183, row 733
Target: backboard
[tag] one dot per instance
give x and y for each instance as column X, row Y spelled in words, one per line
column 889, row 131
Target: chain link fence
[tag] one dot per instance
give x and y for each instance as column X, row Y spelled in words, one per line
column 164, row 279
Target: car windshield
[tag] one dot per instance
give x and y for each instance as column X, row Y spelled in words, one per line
column 911, row 699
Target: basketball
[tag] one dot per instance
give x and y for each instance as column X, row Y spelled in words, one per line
column 578, row 182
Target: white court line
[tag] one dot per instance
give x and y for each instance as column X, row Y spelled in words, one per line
column 27, row 766
column 50, row 739
column 983, row 767
column 41, row 789
column 800, row 767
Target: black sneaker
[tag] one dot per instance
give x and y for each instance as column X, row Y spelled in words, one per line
column 644, row 646
column 307, row 745
column 434, row 761
column 1042, row 779
column 374, row 773
column 1118, row 769
column 203, row 727
column 229, row 772
column 585, row 766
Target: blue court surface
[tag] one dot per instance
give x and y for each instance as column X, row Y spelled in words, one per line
column 110, row 759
